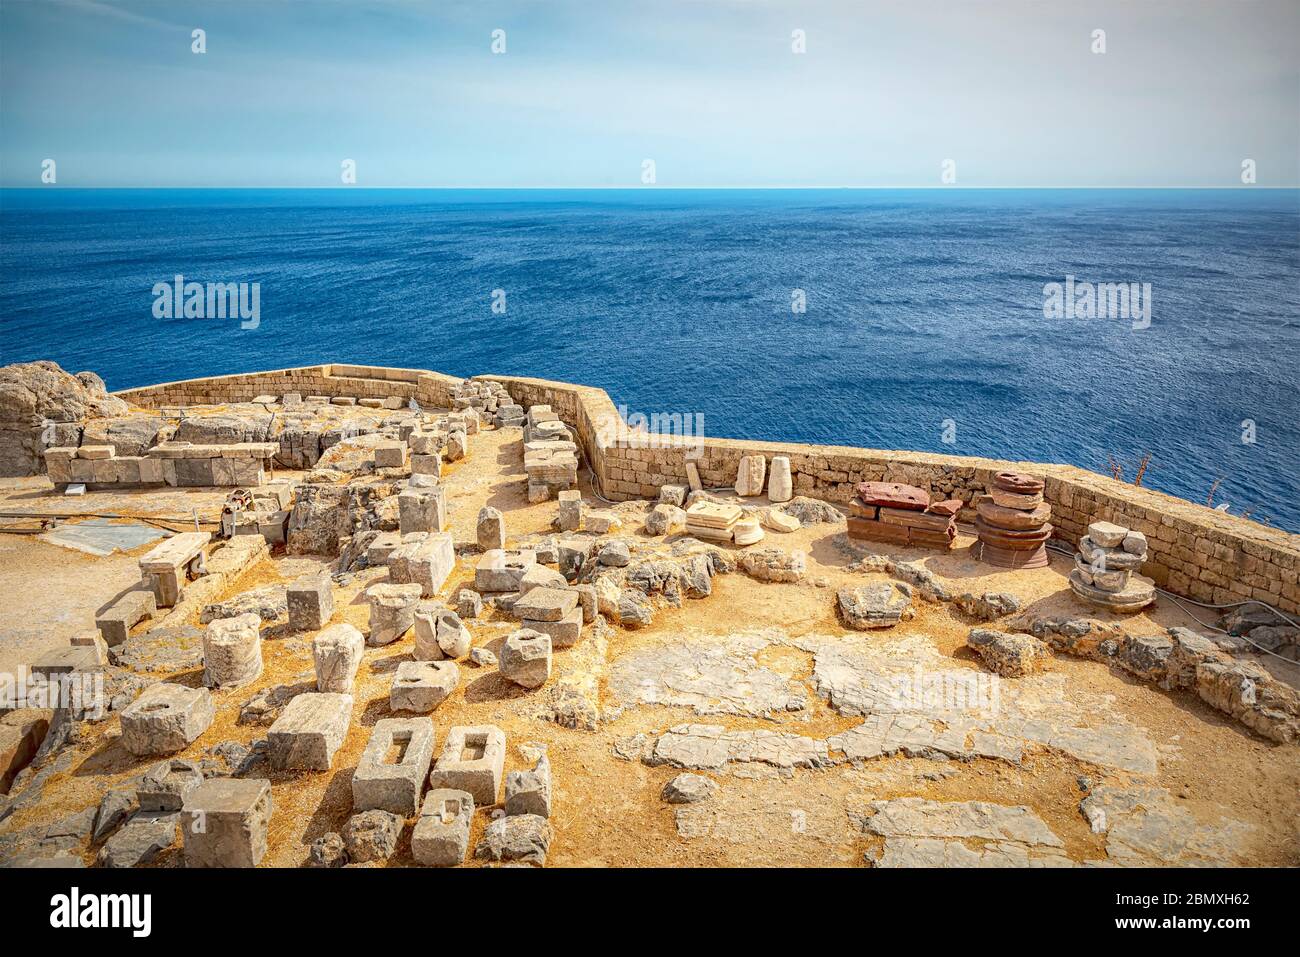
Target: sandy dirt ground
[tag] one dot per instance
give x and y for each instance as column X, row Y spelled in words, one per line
column 608, row 810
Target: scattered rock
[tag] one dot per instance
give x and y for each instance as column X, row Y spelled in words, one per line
column 372, row 835
column 874, row 606
column 1011, row 656
column 812, row 511
column 774, row 565
column 328, row 851
column 665, row 519
column 518, row 837
column 269, row 602
column 988, row 606
column 482, row 658
column 142, row 838
column 615, row 554
column 688, row 788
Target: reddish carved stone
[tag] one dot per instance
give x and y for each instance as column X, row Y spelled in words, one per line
column 894, row 495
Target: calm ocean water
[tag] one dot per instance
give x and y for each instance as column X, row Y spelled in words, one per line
column 922, row 306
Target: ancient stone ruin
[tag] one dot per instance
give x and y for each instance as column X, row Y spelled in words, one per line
column 349, row 616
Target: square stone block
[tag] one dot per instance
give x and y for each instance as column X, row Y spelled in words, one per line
column 525, row 658
column 311, row 602
column 421, row 686
column 422, row 509
column 441, row 835
column 165, row 719
column 472, row 760
column 225, row 821
column 382, row 548
column 564, row 632
column 390, row 775
column 309, row 731
column 426, row 563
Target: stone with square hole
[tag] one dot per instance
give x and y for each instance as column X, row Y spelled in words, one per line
column 525, row 658
column 390, row 775
column 472, row 760
column 441, row 835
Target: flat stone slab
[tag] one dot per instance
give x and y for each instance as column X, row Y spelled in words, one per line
column 711, row 676
column 175, row 552
column 309, row 731
column 711, row 747
column 1149, row 827
column 923, row 833
column 960, row 713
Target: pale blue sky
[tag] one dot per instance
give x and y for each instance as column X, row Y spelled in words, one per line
column 708, row 89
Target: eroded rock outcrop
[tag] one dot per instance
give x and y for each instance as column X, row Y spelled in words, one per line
column 42, row 406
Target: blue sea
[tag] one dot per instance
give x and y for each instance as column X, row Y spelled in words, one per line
column 924, row 318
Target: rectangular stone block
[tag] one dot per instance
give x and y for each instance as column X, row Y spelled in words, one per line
column 564, row 632
column 421, row 686
column 166, row 718
column 390, row 455
column 336, row 653
column 309, row 731
column 441, row 835
column 426, row 563
column 225, row 822
column 151, row 471
column 311, row 602
column 422, row 510
column 472, row 760
column 546, row 604
column 61, row 662
column 500, row 570
column 390, row 775
column 382, row 548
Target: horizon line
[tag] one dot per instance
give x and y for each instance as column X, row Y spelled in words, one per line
column 643, row 189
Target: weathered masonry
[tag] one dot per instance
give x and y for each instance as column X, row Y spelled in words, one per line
column 1194, row 551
